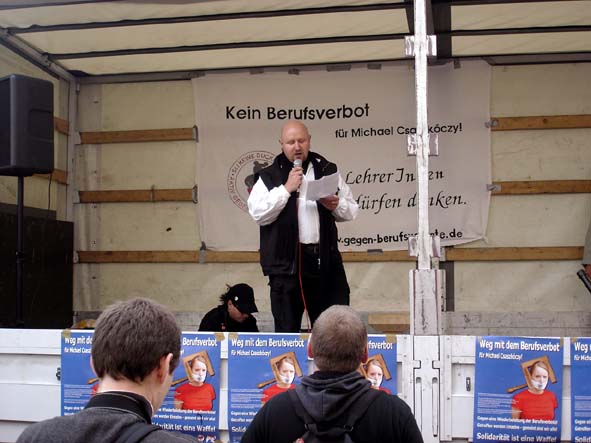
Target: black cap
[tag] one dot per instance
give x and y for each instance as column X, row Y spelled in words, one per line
column 242, row 296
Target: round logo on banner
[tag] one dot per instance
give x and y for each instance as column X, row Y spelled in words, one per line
column 241, row 175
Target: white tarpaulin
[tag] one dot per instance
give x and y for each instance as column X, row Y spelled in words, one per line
column 360, row 120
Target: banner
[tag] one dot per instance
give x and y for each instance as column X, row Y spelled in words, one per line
column 360, row 120
column 260, row 366
column 580, row 368
column 78, row 381
column 381, row 366
column 192, row 405
column 518, row 389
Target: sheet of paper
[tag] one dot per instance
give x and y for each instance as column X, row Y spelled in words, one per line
column 327, row 185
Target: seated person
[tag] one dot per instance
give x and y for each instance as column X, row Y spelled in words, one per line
column 286, row 370
column 196, row 395
column 375, row 374
column 535, row 403
column 234, row 312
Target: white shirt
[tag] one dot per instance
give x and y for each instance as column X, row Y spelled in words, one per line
column 265, row 205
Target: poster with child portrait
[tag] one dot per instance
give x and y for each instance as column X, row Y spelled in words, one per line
column 380, row 368
column 192, row 403
column 261, row 366
column 518, row 389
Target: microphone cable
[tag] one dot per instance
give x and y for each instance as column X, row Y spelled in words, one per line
column 298, row 163
column 302, row 286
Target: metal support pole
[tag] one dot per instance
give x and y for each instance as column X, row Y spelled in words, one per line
column 35, row 56
column 73, row 90
column 421, row 49
column 20, row 254
column 424, row 283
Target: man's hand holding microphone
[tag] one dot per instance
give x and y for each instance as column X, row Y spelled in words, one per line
column 296, row 175
column 294, row 181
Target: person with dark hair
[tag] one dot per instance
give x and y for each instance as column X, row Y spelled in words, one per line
column 338, row 345
column 234, row 314
column 196, row 395
column 299, row 237
column 135, row 349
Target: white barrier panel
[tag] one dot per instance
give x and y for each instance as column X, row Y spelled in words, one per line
column 30, row 370
column 29, row 387
column 435, row 377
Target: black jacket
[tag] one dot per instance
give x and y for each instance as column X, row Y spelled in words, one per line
column 104, row 419
column 218, row 320
column 279, row 239
column 326, row 397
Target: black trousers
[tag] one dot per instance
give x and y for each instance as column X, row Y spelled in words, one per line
column 320, row 291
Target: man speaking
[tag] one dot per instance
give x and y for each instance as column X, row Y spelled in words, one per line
column 299, row 236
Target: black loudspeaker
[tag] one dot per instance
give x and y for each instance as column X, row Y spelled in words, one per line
column 48, row 273
column 26, row 126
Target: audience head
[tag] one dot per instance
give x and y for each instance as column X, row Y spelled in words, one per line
column 339, row 340
column 132, row 337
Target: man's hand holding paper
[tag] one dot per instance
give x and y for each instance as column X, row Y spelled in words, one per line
column 331, row 202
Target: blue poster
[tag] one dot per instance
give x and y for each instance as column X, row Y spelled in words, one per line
column 580, row 368
column 193, row 402
column 380, row 368
column 518, row 389
column 79, row 382
column 260, row 366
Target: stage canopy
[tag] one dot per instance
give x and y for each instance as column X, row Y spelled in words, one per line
column 177, row 39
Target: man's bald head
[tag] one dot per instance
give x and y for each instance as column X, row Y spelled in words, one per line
column 295, row 140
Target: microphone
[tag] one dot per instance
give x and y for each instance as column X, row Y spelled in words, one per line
column 297, row 163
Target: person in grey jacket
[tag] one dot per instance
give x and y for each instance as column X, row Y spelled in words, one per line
column 338, row 345
column 135, row 349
